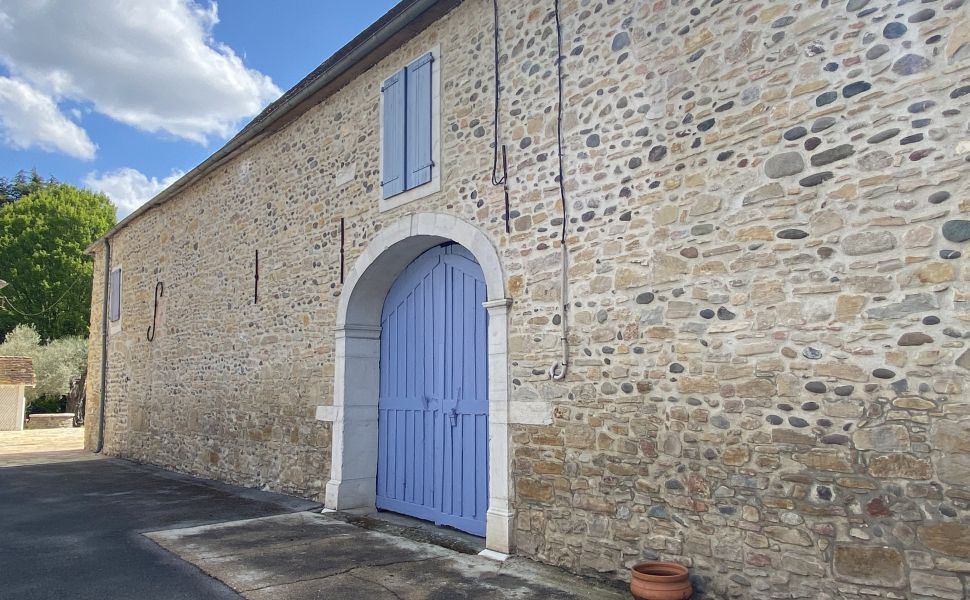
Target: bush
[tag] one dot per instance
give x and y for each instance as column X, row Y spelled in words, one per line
column 56, row 364
column 47, row 405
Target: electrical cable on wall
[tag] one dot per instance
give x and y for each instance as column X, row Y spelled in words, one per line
column 502, row 180
column 558, row 370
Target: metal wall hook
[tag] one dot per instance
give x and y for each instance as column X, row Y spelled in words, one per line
column 159, row 292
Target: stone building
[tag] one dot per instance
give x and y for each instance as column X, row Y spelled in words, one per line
column 765, row 208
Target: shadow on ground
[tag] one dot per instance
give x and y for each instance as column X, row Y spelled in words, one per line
column 74, row 529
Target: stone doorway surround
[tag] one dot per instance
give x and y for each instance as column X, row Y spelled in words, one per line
column 353, row 469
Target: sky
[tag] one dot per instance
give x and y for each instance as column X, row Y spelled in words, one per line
column 124, row 96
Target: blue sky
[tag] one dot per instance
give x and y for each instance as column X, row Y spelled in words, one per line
column 135, row 94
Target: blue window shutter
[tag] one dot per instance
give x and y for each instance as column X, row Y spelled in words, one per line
column 114, row 295
column 394, row 134
column 418, row 162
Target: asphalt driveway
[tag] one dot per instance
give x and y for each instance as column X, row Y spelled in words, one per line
column 74, row 529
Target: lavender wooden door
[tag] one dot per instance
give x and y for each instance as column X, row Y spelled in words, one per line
column 433, row 408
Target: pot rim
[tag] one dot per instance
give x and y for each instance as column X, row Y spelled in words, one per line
column 679, row 571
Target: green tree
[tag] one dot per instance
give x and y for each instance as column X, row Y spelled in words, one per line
column 56, row 365
column 22, row 184
column 43, row 236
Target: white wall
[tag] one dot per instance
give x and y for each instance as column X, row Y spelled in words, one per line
column 11, row 407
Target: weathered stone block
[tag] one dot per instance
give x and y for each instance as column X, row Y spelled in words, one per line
column 903, row 466
column 868, row 242
column 788, row 535
column 870, row 565
column 953, row 468
column 912, row 303
column 938, row 586
column 579, row 436
column 848, row 306
column 886, row 438
column 735, row 456
column 533, row 489
column 952, row 539
column 826, row 460
column 949, row 436
column 756, row 388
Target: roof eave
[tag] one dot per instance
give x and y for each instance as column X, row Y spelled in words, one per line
column 399, row 24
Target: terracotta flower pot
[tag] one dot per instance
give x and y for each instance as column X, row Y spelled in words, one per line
column 653, row 580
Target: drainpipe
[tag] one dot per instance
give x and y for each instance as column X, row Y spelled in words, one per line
column 104, row 344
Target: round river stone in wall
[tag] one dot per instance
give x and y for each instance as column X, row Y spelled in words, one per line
column 911, row 64
column 957, row 230
column 914, row 338
column 621, row 41
column 792, row 234
column 894, row 30
column 883, row 374
column 877, row 51
column 785, row 164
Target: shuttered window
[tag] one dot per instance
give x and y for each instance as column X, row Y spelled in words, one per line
column 394, row 134
column 418, row 156
column 407, row 128
column 114, row 295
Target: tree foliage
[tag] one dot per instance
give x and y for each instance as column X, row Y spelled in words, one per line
column 56, row 364
column 22, row 184
column 43, row 235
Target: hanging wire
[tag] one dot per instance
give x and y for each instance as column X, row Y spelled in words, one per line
column 8, row 304
column 496, row 179
column 502, row 180
column 558, row 370
column 562, row 180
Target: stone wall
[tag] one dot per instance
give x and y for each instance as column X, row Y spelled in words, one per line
column 770, row 309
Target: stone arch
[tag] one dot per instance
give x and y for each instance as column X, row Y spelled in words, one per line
column 353, row 469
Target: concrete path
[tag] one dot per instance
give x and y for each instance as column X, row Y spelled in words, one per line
column 74, row 530
column 308, row 556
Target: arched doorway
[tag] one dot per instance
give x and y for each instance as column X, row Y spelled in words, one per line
column 356, row 394
column 432, row 424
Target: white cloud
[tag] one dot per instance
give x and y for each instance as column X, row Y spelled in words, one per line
column 30, row 119
column 128, row 188
column 151, row 65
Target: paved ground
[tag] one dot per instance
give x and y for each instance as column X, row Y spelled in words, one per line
column 309, row 556
column 76, row 526
column 73, row 530
column 40, row 446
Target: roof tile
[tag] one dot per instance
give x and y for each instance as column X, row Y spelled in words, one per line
column 16, row 370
